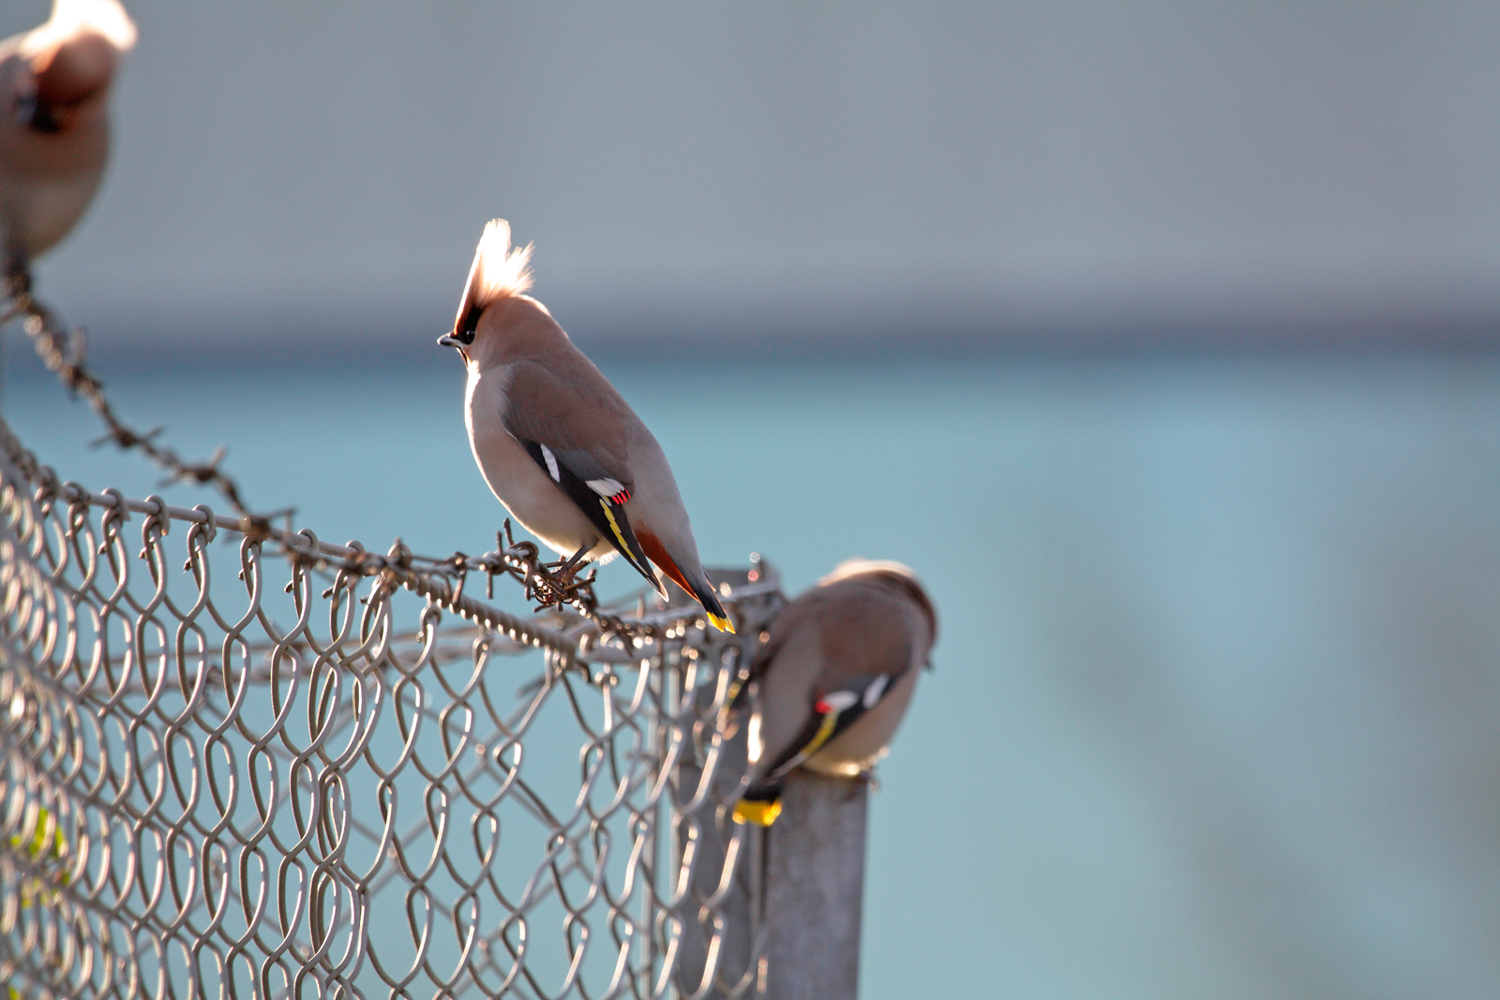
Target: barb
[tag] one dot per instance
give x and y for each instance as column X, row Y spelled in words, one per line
column 64, row 352
column 550, row 584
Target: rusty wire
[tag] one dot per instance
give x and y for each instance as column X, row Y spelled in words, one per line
column 325, row 771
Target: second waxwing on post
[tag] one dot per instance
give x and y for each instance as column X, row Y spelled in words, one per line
column 54, row 128
column 831, row 682
column 559, row 447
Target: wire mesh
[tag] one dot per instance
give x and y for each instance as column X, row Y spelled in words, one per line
column 242, row 762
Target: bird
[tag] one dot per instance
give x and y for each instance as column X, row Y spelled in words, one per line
column 54, row 127
column 832, row 679
column 557, row 444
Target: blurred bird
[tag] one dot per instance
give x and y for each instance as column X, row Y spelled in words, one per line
column 833, row 678
column 54, row 131
column 557, row 444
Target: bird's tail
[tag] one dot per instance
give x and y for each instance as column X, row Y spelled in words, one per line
column 704, row 592
column 697, row 584
column 760, row 805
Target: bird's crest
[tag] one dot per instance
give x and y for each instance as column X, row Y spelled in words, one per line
column 499, row 271
column 71, row 18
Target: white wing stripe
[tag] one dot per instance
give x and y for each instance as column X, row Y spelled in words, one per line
column 606, row 487
column 838, row 701
column 551, row 460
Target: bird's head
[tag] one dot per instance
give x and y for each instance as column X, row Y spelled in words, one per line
column 73, row 58
column 500, row 273
column 892, row 575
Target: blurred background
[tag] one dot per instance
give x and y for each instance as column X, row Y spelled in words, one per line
column 1161, row 339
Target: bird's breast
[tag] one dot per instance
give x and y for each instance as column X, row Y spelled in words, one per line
column 514, row 477
column 44, row 189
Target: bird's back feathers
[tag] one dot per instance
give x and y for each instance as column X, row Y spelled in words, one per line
column 545, row 405
column 873, row 636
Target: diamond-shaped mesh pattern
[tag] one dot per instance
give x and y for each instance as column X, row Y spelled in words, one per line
column 259, row 765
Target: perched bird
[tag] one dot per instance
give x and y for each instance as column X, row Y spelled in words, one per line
column 54, row 130
column 833, row 678
column 557, row 444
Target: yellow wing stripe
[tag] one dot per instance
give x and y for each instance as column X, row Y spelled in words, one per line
column 825, row 731
column 821, row 736
column 615, row 526
column 765, row 813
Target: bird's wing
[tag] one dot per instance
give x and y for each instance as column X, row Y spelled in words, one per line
column 833, row 712
column 863, row 649
column 576, row 433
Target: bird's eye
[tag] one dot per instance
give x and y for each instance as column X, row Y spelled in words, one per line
column 464, row 331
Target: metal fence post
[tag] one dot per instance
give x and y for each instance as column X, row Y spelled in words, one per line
column 814, row 889
column 805, row 875
column 714, row 833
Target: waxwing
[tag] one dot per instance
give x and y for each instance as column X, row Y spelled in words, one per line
column 829, row 684
column 557, row 444
column 54, row 130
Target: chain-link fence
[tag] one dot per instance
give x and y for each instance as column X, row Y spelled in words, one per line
column 243, row 762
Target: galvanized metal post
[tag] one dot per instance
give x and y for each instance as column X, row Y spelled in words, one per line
column 814, row 890
column 799, row 893
column 706, row 835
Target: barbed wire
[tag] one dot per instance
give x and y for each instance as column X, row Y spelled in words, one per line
column 64, row 352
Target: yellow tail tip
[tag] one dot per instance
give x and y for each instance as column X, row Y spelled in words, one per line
column 722, row 624
column 759, row 813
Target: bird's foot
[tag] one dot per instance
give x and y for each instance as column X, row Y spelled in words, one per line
column 557, row 583
column 564, row 569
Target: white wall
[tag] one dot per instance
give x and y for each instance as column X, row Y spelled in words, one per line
column 776, row 166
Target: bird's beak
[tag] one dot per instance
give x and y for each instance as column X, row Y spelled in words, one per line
column 448, row 340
